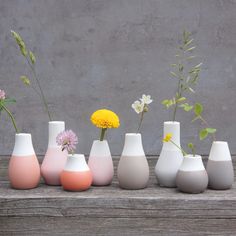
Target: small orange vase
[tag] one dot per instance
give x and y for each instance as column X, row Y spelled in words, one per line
column 76, row 175
column 24, row 169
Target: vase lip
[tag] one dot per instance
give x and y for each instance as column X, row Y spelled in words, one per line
column 169, row 122
column 76, row 155
column 133, row 134
column 219, row 142
column 23, row 134
column 191, row 156
column 97, row 140
column 56, row 122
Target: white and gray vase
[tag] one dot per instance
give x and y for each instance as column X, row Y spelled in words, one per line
column 170, row 158
column 219, row 166
column 192, row 176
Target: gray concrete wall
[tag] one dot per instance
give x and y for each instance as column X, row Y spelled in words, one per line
column 106, row 53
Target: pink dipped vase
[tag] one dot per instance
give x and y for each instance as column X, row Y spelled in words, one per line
column 55, row 159
column 100, row 163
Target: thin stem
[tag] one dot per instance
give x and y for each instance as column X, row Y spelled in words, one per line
column 40, row 88
column 181, row 149
column 140, row 122
column 12, row 118
column 103, row 130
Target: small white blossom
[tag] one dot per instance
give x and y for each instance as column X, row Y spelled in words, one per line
column 138, row 106
column 146, row 99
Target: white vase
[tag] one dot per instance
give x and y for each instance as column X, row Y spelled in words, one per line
column 100, row 163
column 170, row 158
column 220, row 167
column 24, row 169
column 192, row 176
column 133, row 169
column 76, row 175
column 55, row 158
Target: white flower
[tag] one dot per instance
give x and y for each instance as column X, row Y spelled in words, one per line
column 146, row 99
column 138, row 106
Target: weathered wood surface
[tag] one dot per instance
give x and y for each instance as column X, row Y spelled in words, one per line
column 112, row 211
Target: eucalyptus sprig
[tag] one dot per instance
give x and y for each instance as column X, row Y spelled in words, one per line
column 186, row 72
column 31, row 60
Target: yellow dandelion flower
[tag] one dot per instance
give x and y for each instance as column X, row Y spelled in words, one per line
column 167, row 137
column 105, row 119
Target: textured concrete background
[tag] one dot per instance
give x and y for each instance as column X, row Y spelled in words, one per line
column 106, row 53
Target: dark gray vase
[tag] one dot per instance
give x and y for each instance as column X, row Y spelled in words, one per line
column 192, row 176
column 219, row 167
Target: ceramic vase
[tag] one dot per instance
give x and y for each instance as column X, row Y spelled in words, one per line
column 219, row 166
column 192, row 176
column 133, row 169
column 100, row 163
column 55, row 159
column 24, row 169
column 76, row 175
column 170, row 158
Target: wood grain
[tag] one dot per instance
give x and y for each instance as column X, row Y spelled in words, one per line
column 110, row 210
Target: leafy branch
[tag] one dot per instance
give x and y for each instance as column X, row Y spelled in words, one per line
column 187, row 74
column 31, row 60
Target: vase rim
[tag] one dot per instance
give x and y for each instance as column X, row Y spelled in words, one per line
column 133, row 134
column 219, row 142
column 171, row 122
column 56, row 122
column 76, row 155
column 97, row 140
column 23, row 134
column 190, row 156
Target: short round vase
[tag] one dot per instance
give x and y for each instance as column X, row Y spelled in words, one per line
column 220, row 167
column 55, row 159
column 76, row 175
column 24, row 169
column 192, row 176
column 100, row 163
column 170, row 158
column 133, row 169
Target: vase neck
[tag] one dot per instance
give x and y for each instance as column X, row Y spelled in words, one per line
column 54, row 128
column 100, row 148
column 133, row 145
column 220, row 151
column 174, row 129
column 76, row 162
column 23, row 145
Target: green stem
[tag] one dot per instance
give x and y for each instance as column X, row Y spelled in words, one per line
column 181, row 149
column 40, row 88
column 12, row 118
column 140, row 122
column 103, row 130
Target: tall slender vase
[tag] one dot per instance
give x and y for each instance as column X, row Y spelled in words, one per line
column 100, row 163
column 133, row 169
column 55, row 159
column 170, row 158
column 192, row 176
column 76, row 175
column 24, row 169
column 220, row 167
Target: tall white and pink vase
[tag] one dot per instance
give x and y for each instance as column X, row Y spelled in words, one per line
column 100, row 163
column 23, row 169
column 55, row 159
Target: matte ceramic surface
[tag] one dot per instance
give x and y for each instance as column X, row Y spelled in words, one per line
column 55, row 159
column 170, row 158
column 133, row 169
column 100, row 163
column 24, row 169
column 220, row 167
column 192, row 176
column 76, row 175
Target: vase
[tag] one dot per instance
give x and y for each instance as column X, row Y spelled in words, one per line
column 170, row 158
column 100, row 163
column 192, row 176
column 219, row 166
column 76, row 175
column 24, row 169
column 133, row 169
column 55, row 159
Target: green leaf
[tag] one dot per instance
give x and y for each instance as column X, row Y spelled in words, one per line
column 180, row 99
column 191, row 90
column 25, row 80
column 174, row 74
column 189, row 42
column 211, row 130
column 203, row 134
column 198, row 66
column 190, row 49
column 32, row 57
column 186, row 107
column 190, row 145
column 9, row 100
column 198, row 108
column 20, row 43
